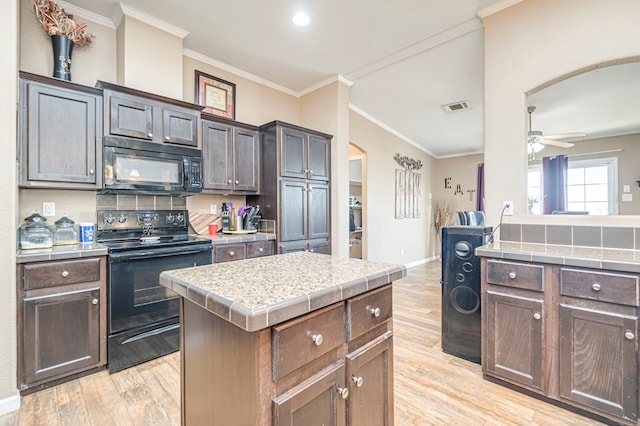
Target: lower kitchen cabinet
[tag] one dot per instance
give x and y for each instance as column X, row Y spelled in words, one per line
column 321, row 245
column 62, row 320
column 239, row 251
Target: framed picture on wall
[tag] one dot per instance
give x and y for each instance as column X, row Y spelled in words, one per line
column 217, row 96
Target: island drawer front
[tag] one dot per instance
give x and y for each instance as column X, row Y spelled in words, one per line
column 519, row 275
column 367, row 311
column 601, row 286
column 297, row 342
column 229, row 252
column 259, row 248
column 53, row 274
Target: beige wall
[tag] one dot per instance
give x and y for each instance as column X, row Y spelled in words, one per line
column 387, row 236
column 462, row 175
column 526, row 45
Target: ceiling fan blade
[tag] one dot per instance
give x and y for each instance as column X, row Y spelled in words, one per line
column 566, row 135
column 557, row 143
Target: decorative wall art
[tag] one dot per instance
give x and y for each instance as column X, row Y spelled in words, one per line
column 408, row 193
column 216, row 95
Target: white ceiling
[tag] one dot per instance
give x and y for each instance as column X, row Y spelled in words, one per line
column 405, row 58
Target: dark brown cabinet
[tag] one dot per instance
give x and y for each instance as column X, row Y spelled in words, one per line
column 62, row 320
column 231, row 158
column 239, row 251
column 136, row 114
column 60, row 134
column 295, row 187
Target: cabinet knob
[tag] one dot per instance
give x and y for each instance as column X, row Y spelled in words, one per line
column 374, row 311
column 94, row 302
column 596, row 287
column 317, row 339
column 229, row 181
column 512, row 275
column 343, row 392
column 65, row 274
column 357, row 380
column 629, row 335
column 537, row 316
column 237, row 182
column 232, row 253
column 92, row 172
column 310, row 172
column 260, row 249
column 167, row 138
column 150, row 135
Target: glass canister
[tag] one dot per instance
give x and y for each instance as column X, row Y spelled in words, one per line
column 64, row 232
column 34, row 233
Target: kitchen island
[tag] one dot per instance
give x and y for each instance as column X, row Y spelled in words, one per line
column 285, row 339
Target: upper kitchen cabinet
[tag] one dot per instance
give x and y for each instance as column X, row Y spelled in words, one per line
column 303, row 154
column 141, row 115
column 230, row 157
column 59, row 133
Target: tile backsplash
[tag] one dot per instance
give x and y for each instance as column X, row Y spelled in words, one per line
column 140, row 202
column 570, row 235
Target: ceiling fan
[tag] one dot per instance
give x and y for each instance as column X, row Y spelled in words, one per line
column 536, row 140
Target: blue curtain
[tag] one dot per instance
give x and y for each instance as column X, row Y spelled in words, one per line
column 554, row 183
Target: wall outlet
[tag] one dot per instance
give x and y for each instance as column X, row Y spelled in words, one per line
column 48, row 209
column 508, row 208
column 213, row 209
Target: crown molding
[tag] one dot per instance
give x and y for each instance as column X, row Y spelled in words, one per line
column 326, row 82
column 147, row 19
column 495, row 8
column 92, row 16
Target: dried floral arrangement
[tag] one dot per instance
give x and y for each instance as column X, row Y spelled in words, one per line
column 55, row 21
column 443, row 213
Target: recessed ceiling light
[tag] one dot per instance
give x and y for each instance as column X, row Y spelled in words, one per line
column 301, row 19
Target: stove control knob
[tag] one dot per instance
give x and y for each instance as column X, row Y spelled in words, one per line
column 179, row 217
column 122, row 218
column 170, row 218
column 109, row 219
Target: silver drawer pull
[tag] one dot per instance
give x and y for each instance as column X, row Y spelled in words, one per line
column 317, row 339
column 343, row 392
column 596, row 287
column 629, row 335
column 167, row 138
column 149, row 135
column 357, row 380
column 260, row 249
column 374, row 311
column 65, row 274
column 512, row 275
column 94, row 302
column 310, row 172
column 232, row 253
column 92, row 172
column 237, row 182
column 537, row 316
column 229, row 181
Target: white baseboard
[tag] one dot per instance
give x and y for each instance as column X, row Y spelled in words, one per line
column 422, row 261
column 9, row 404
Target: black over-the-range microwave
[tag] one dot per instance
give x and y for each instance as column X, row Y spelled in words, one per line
column 146, row 167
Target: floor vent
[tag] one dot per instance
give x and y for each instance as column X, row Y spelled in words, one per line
column 456, row 106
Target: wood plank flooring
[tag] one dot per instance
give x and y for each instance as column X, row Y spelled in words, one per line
column 431, row 387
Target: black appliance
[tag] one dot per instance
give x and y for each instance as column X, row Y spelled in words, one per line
column 145, row 167
column 143, row 316
column 460, row 279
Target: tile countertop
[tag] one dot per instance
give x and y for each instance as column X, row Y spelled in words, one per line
column 61, row 253
column 257, row 293
column 585, row 257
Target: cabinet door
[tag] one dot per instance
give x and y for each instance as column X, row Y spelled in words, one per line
column 246, row 160
column 180, row 127
column 217, row 155
column 292, row 246
column 370, row 377
column 321, row 246
column 319, row 210
column 293, row 210
column 598, row 360
column 514, row 339
column 129, row 117
column 315, row 401
column 294, row 153
column 61, row 334
column 59, row 141
column 319, row 164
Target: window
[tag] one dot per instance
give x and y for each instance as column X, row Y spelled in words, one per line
column 592, row 186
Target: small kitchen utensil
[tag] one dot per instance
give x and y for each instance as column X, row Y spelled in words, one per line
column 64, row 232
column 34, row 233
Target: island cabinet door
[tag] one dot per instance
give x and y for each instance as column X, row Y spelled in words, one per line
column 598, row 360
column 370, row 377
column 320, row 400
column 514, row 339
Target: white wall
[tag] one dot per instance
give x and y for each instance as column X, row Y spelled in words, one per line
column 526, row 45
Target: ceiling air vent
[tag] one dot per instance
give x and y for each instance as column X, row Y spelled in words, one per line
column 456, row 106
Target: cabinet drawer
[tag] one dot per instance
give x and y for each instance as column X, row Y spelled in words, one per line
column 303, row 339
column 259, row 248
column 605, row 287
column 52, row 274
column 367, row 311
column 520, row 275
column 229, row 252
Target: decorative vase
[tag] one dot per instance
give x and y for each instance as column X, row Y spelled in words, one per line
column 62, row 50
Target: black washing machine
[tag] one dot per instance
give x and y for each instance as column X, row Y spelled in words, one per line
column 461, row 290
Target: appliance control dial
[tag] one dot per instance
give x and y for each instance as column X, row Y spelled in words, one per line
column 171, row 218
column 122, row 218
column 179, row 217
column 110, row 219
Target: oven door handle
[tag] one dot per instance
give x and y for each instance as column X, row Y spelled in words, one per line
column 156, row 253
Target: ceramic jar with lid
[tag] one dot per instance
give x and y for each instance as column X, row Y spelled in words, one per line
column 34, row 233
column 64, row 232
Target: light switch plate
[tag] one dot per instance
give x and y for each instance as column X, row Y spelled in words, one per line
column 49, row 209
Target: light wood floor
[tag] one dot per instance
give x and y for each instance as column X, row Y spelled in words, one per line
column 431, row 387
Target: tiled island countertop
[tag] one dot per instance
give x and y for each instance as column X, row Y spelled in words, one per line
column 257, row 293
column 587, row 257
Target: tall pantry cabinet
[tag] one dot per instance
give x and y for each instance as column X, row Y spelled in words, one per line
column 295, row 187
